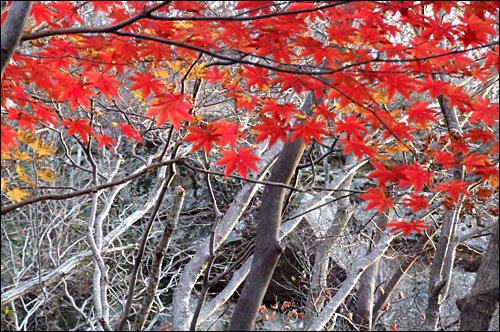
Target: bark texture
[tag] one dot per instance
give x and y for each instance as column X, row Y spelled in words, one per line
column 478, row 308
column 12, row 29
column 268, row 248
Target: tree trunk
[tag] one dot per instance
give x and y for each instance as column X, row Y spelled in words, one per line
column 268, row 248
column 12, row 29
column 366, row 292
column 478, row 307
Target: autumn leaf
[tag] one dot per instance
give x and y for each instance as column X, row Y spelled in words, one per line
column 272, row 129
column 23, row 177
column 46, row 174
column 454, row 188
column 416, row 202
column 171, row 107
column 17, row 194
column 310, row 129
column 420, row 113
column 256, row 76
column 8, row 138
column 415, row 175
column 80, row 127
column 146, row 83
column 78, row 93
column 228, row 132
column 475, row 161
column 484, row 136
column 351, row 125
column 241, row 160
column 215, row 75
column 358, row 147
column 407, row 227
column 446, row 159
column 130, row 132
column 43, row 150
column 485, row 110
column 377, row 199
column 322, row 110
column 385, row 175
column 106, row 140
column 202, row 136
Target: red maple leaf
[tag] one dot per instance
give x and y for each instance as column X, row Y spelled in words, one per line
column 202, row 136
column 104, row 83
column 215, row 75
column 377, row 199
column 415, row 175
column 351, row 125
column 240, row 160
column 484, row 109
column 310, row 129
column 77, row 93
column 228, row 133
column 256, row 76
column 480, row 135
column 383, row 174
column 272, row 129
column 80, row 127
column 416, row 202
column 358, row 147
column 130, row 132
column 322, row 110
column 446, row 159
column 414, row 225
column 282, row 113
column 420, row 113
column 146, row 83
column 475, row 161
column 106, row 140
column 454, row 188
column 8, row 137
column 171, row 107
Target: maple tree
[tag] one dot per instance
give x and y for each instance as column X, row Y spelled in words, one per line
column 410, row 88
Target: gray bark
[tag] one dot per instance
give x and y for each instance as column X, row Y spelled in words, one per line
column 478, row 307
column 12, row 29
column 160, row 251
column 268, row 248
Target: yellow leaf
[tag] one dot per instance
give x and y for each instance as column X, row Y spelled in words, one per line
column 43, row 150
column 4, row 184
column 197, row 119
column 183, row 25
column 22, row 156
column 6, row 156
column 6, row 309
column 26, row 136
column 23, row 177
column 46, row 174
column 17, row 194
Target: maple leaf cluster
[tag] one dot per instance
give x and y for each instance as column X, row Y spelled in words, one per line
column 377, row 88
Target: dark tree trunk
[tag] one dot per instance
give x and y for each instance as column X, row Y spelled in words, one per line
column 268, row 248
column 478, row 307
